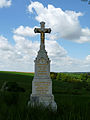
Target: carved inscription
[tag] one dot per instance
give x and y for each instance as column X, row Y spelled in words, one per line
column 42, row 87
column 42, row 67
column 42, row 70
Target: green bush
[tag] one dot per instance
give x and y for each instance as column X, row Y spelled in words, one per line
column 53, row 75
column 84, row 76
column 59, row 77
column 65, row 77
column 88, row 80
column 88, row 87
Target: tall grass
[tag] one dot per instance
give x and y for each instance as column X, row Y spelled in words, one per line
column 13, row 105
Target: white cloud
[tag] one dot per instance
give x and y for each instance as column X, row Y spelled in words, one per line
column 24, row 31
column 5, row 3
column 25, row 47
column 85, row 36
column 21, row 56
column 64, row 24
column 55, row 50
column 4, row 44
column 88, row 58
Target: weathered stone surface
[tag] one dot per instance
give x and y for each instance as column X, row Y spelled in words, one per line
column 42, row 83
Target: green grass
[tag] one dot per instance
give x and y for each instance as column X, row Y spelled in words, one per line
column 16, row 73
column 72, row 98
column 23, row 79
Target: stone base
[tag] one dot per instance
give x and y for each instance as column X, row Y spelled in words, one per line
column 45, row 100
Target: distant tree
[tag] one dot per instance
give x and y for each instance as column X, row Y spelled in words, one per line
column 88, row 87
column 64, row 77
column 88, row 80
column 84, row 77
column 53, row 75
column 59, row 77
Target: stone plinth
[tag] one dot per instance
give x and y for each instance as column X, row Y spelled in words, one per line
column 42, row 83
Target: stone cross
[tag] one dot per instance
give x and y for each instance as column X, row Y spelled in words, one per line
column 42, row 30
column 42, row 83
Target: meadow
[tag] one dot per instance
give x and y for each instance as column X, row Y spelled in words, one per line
column 71, row 92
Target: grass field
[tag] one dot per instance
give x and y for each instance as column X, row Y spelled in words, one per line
column 72, row 98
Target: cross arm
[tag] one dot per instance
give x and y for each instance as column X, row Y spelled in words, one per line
column 47, row 30
column 37, row 30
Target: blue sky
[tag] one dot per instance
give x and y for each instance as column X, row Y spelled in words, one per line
column 70, row 37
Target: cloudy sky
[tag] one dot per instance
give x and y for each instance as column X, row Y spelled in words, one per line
column 68, row 45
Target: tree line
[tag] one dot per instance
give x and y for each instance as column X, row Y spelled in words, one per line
column 71, row 77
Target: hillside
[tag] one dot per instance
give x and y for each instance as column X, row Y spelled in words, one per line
column 72, row 98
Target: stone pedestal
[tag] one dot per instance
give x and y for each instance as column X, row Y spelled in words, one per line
column 42, row 83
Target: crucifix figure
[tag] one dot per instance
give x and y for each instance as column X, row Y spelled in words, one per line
column 42, row 30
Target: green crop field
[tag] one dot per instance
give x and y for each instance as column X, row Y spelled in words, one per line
column 71, row 92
